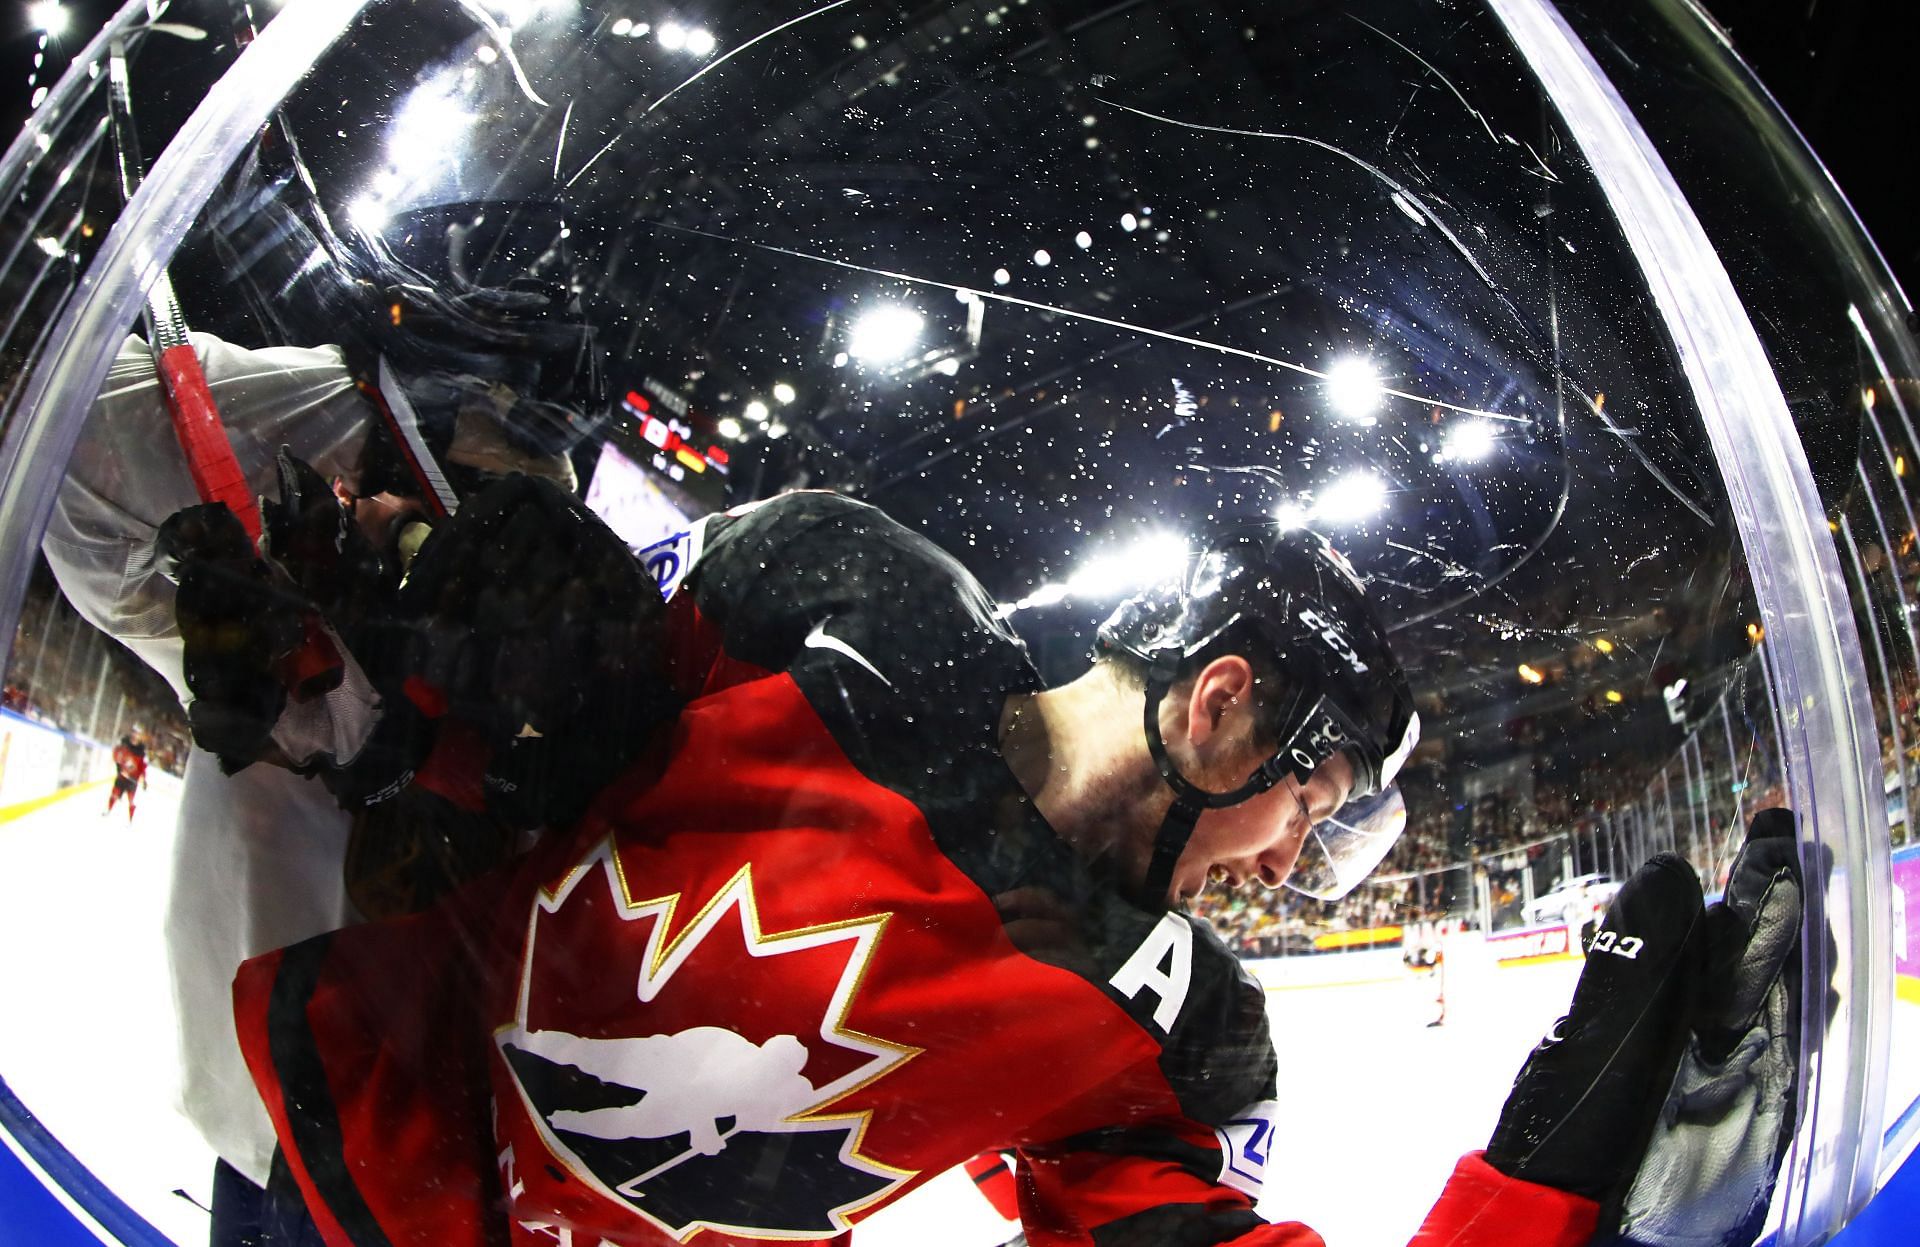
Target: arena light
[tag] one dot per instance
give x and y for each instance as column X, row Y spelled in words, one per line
column 1532, row 674
column 1351, row 499
column 49, row 18
column 1603, row 645
column 1614, row 696
column 700, row 41
column 1291, row 515
column 369, row 213
column 672, row 36
column 1043, row 257
column 757, row 411
column 784, row 393
column 428, row 126
column 1045, row 595
column 1149, row 560
column 1468, row 441
column 518, row 12
column 622, row 25
column 730, row 428
column 1353, row 389
column 885, row 334
column 1083, row 240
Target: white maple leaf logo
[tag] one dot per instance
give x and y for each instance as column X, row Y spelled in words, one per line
column 656, row 1098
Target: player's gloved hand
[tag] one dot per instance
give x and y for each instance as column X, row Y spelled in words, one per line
column 1588, row 1097
column 1728, row 1119
column 314, row 539
column 541, row 632
column 239, row 621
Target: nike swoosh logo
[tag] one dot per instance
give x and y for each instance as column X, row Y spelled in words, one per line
column 818, row 639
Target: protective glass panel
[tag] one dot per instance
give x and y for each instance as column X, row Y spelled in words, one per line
column 609, row 854
column 1838, row 336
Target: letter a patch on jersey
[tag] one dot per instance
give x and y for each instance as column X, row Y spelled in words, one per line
column 688, row 1070
column 1163, row 965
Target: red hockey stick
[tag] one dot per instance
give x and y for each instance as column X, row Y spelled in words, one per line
column 196, row 420
column 315, row 668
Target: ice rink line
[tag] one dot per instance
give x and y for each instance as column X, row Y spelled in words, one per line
column 23, row 808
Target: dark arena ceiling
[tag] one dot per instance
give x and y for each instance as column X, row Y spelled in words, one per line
column 1143, row 263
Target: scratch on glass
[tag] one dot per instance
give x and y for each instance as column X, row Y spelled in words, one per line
column 503, row 43
column 560, row 145
column 1374, row 170
column 1076, row 314
column 1478, row 116
column 703, row 72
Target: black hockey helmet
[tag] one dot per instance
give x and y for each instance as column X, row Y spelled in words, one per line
column 480, row 297
column 1292, row 598
column 480, row 322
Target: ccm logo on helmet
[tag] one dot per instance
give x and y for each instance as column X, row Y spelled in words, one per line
column 1337, row 643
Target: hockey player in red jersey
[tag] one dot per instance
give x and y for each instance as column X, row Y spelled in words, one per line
column 130, row 767
column 881, row 902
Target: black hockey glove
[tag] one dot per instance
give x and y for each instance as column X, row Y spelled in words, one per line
column 542, row 633
column 316, row 541
column 239, row 620
column 356, row 587
column 1588, row 1097
column 1729, row 1118
column 260, row 626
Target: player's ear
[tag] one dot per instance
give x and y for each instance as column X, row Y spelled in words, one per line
column 1221, row 690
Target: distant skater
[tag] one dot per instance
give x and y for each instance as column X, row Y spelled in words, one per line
column 130, row 759
column 1426, row 954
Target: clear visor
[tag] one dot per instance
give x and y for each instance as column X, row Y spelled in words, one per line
column 1343, row 849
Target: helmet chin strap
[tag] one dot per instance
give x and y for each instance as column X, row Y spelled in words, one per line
column 1189, row 800
column 1168, row 844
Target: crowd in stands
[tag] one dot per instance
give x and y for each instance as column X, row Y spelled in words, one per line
column 1561, row 826
column 65, row 674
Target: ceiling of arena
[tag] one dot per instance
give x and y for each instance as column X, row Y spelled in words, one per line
column 1159, row 260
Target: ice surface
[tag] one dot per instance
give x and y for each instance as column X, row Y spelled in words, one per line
column 87, row 1041
column 1378, row 1104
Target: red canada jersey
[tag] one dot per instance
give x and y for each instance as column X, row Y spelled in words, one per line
column 130, row 760
column 819, row 949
